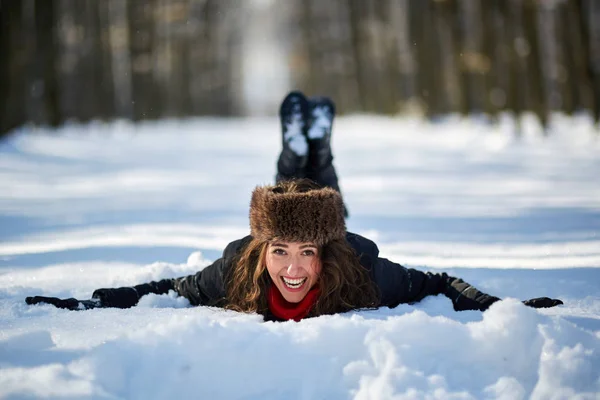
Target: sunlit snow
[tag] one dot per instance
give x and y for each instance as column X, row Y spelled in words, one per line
column 106, row 205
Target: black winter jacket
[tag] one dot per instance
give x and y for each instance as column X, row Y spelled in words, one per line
column 396, row 284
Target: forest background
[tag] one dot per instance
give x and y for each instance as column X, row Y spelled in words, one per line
column 82, row 60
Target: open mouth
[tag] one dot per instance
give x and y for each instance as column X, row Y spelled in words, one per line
column 294, row 283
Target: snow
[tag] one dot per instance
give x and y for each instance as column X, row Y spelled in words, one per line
column 106, row 205
column 320, row 123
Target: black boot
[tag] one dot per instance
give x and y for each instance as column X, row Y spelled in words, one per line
column 321, row 112
column 294, row 153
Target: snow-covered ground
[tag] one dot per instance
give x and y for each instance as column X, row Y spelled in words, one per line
column 110, row 205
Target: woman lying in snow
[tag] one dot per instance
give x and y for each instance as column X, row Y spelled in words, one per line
column 299, row 261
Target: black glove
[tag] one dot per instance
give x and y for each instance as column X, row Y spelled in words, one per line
column 542, row 302
column 123, row 297
column 69, row 304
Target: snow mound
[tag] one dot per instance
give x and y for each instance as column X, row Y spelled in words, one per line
column 511, row 352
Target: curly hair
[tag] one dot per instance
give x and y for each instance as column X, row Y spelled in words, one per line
column 344, row 284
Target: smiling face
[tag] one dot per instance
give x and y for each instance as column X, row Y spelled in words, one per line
column 293, row 267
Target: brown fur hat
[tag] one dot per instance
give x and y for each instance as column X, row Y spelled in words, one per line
column 289, row 212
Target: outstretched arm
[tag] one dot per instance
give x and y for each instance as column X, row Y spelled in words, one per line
column 206, row 287
column 407, row 285
column 201, row 288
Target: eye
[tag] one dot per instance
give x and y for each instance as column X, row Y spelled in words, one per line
column 309, row 252
column 279, row 252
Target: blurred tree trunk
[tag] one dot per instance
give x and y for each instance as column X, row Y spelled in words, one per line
column 103, row 61
column 474, row 63
column 94, row 95
column 77, row 97
column 518, row 50
column 295, row 28
column 404, row 64
column 229, row 41
column 342, row 59
column 328, row 32
column 94, row 81
column 500, row 55
column 12, row 67
column 69, row 37
column 371, row 54
column 208, row 58
column 356, row 10
column 451, row 98
column 306, row 22
column 40, row 93
column 576, row 46
column 318, row 43
column 427, row 77
column 536, row 101
column 382, row 44
column 172, row 56
column 200, row 51
column 120, row 61
column 145, row 96
column 234, row 62
column 592, row 10
column 564, row 79
column 181, row 51
column 492, row 92
column 549, row 53
column 33, row 84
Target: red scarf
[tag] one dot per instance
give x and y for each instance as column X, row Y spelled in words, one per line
column 281, row 308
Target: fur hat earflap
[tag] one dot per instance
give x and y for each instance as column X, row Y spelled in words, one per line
column 280, row 212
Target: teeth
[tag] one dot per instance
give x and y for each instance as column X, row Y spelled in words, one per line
column 294, row 283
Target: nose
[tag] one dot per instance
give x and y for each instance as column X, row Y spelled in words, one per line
column 293, row 269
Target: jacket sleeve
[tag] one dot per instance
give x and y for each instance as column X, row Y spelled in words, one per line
column 205, row 287
column 398, row 284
